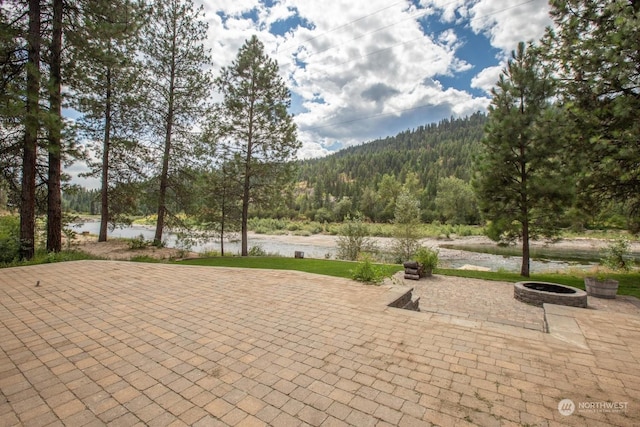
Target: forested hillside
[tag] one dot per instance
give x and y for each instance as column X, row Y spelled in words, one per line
column 367, row 177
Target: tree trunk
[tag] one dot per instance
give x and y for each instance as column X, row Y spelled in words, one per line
column 524, row 208
column 245, row 208
column 222, row 237
column 524, row 269
column 106, row 146
column 54, row 202
column 246, row 190
column 28, row 192
column 222, row 219
column 164, row 184
column 164, row 174
column 246, row 195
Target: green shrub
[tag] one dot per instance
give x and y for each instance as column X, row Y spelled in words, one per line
column 381, row 230
column 260, row 229
column 257, row 251
column 209, row 253
column 332, row 229
column 138, row 242
column 266, row 225
column 294, row 226
column 323, row 215
column 367, row 272
column 9, row 238
column 428, row 258
column 315, row 228
column 618, row 256
column 463, row 230
column 354, row 239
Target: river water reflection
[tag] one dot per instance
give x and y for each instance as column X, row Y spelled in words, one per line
column 325, row 247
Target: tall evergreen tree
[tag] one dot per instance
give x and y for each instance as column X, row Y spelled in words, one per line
column 19, row 110
column 521, row 185
column 597, row 48
column 31, row 129
column 218, row 208
column 178, row 86
column 13, row 58
column 220, row 202
column 253, row 122
column 54, row 130
column 107, row 84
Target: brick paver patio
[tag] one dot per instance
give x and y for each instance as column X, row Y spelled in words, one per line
column 119, row 343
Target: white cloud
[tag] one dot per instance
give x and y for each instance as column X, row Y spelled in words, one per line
column 504, row 23
column 507, row 24
column 368, row 70
column 311, row 149
column 449, row 9
column 487, row 78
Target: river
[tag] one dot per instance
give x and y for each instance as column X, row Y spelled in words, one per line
column 324, row 246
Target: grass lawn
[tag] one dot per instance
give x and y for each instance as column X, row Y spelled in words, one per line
column 309, row 265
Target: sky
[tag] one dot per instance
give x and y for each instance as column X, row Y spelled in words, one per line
column 361, row 70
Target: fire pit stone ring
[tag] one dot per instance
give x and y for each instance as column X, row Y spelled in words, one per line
column 538, row 293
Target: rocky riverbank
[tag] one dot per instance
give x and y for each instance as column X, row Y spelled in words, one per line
column 119, row 248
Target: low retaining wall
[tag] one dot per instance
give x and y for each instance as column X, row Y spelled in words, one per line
column 406, row 303
column 568, row 295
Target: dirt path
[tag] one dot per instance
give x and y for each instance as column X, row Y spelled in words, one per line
column 119, row 249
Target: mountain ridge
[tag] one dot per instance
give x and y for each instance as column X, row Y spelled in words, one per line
column 426, row 153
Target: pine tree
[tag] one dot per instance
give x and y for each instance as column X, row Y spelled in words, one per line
column 220, row 188
column 521, row 187
column 178, row 86
column 106, row 82
column 32, row 127
column 12, row 69
column 254, row 124
column 597, row 48
column 220, row 208
column 54, row 176
column 43, row 81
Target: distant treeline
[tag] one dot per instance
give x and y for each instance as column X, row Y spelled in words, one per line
column 81, row 200
column 436, row 162
column 366, row 178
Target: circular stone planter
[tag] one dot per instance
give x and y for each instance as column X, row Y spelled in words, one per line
column 538, row 293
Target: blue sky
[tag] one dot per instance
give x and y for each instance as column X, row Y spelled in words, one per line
column 360, row 70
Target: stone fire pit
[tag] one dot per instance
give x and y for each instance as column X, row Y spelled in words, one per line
column 538, row 293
